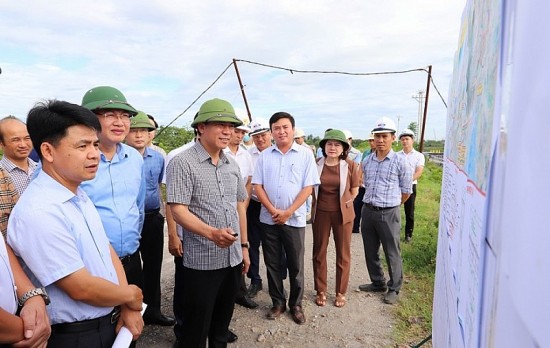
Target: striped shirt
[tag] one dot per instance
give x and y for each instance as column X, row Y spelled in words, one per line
column 283, row 176
column 211, row 193
column 20, row 178
column 386, row 180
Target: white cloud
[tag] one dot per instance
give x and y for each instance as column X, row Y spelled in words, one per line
column 163, row 54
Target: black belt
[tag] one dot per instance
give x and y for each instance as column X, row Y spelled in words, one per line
column 126, row 259
column 87, row 325
column 152, row 212
column 368, row 205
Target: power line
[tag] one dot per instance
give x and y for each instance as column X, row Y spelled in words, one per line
column 196, row 99
column 292, row 71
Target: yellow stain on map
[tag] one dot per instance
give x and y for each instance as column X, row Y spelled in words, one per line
column 479, row 89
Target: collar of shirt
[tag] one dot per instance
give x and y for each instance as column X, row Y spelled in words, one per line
column 121, row 152
column 295, row 146
column 10, row 166
column 205, row 156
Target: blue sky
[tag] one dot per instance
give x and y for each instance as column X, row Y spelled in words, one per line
column 163, row 54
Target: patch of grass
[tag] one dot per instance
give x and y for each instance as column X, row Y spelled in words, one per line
column 414, row 310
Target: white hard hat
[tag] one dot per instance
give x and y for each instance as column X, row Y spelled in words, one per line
column 347, row 133
column 370, row 137
column 406, row 132
column 244, row 126
column 298, row 133
column 384, row 125
column 259, row 125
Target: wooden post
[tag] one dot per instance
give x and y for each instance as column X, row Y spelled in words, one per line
column 421, row 146
column 242, row 90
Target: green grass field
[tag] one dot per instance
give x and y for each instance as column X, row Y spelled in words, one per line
column 414, row 311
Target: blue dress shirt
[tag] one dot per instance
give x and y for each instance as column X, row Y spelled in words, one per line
column 283, row 176
column 118, row 193
column 153, row 167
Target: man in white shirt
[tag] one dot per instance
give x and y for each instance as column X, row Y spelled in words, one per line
column 417, row 161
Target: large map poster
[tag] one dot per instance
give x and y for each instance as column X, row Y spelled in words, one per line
column 470, row 140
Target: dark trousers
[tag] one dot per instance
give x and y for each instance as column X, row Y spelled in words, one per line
column 290, row 240
column 357, row 206
column 208, row 303
column 151, row 247
column 132, row 268
column 102, row 336
column 409, row 213
column 255, row 236
column 177, row 299
column 134, row 274
column 383, row 227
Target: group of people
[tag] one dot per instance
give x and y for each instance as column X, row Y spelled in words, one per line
column 84, row 228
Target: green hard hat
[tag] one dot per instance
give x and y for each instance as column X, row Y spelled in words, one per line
column 106, row 97
column 141, row 120
column 216, row 110
column 335, row 134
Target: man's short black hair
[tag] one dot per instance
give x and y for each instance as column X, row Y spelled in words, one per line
column 48, row 121
column 280, row 115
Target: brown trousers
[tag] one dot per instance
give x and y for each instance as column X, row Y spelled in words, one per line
column 323, row 223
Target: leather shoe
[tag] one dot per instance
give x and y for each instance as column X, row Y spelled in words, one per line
column 246, row 302
column 231, row 337
column 298, row 315
column 253, row 289
column 158, row 319
column 275, row 312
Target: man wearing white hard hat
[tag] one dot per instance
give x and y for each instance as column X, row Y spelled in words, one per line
column 300, row 138
column 387, row 178
column 417, row 161
column 354, row 154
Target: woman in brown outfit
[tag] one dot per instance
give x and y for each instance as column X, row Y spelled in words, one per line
column 333, row 209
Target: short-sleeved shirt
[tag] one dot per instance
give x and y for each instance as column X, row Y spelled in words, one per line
column 118, row 192
column 8, row 296
column 211, row 193
column 244, row 160
column 57, row 233
column 169, row 157
column 20, row 178
column 415, row 159
column 8, row 198
column 283, row 176
column 153, row 168
column 254, row 154
column 386, row 180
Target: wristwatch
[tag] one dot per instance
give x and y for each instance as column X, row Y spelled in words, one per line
column 245, row 245
column 35, row 292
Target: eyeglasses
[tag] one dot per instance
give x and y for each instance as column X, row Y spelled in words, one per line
column 111, row 116
column 222, row 125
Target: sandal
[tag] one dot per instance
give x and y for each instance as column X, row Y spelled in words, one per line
column 321, row 299
column 340, row 300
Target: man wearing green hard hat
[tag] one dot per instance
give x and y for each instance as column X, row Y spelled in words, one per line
column 118, row 189
column 206, row 195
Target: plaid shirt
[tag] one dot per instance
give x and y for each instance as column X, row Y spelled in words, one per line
column 211, row 192
column 8, row 198
column 385, row 180
column 20, row 178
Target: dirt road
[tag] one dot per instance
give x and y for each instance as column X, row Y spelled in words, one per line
column 364, row 322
